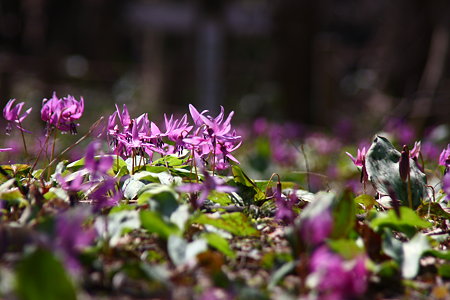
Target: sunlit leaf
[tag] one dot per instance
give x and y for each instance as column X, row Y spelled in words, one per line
column 236, row 223
column 220, row 243
column 154, row 223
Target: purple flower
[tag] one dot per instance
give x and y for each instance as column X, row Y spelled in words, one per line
column 415, row 152
column 444, row 158
column 5, row 149
column 62, row 113
column 360, row 157
column 72, row 186
column 12, row 115
column 97, row 166
column 213, row 136
column 106, row 195
column 209, row 184
column 284, row 205
column 348, row 278
column 315, row 229
column 72, row 237
column 446, row 185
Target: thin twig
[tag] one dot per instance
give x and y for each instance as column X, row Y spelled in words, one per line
column 93, row 127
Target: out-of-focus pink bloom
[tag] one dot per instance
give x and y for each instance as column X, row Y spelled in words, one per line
column 285, row 206
column 260, row 126
column 317, row 228
column 97, row 166
column 323, row 144
column 5, row 149
column 12, row 115
column 73, row 186
column 446, row 185
column 415, row 152
column 444, row 158
column 106, row 195
column 336, row 278
column 360, row 157
column 72, row 237
column 401, row 130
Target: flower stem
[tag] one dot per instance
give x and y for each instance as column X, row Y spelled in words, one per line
column 23, row 139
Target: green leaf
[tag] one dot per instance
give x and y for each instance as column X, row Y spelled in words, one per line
column 434, row 209
column 181, row 252
column 154, row 223
column 40, row 276
column 344, row 211
column 439, row 254
column 367, row 200
column 348, row 249
column 220, row 243
column 281, row 273
column 171, row 161
column 236, row 223
column 407, row 222
column 444, row 271
column 161, row 198
column 412, row 252
column 382, row 166
column 220, row 198
column 131, row 187
column 118, row 223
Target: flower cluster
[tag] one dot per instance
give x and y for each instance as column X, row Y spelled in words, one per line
column 61, row 113
column 211, row 139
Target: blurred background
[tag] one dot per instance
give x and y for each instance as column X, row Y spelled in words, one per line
column 318, row 63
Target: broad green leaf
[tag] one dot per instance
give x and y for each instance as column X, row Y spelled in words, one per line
column 444, row 271
column 348, row 249
column 181, row 252
column 40, row 276
column 367, row 200
column 220, row 243
column 220, row 198
column 131, row 187
column 118, row 224
column 171, row 161
column 344, row 217
column 236, row 223
column 161, row 198
column 407, row 222
column 180, row 216
column 382, row 165
column 434, row 209
column 279, row 274
column 56, row 193
column 154, row 223
column 412, row 252
column 242, row 178
column 439, row 254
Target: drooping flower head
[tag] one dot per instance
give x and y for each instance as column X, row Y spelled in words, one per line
column 285, row 206
column 61, row 113
column 12, row 115
column 360, row 157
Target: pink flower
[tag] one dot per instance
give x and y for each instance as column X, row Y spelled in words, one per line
column 360, row 157
column 444, row 158
column 12, row 115
column 348, row 278
column 62, row 113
